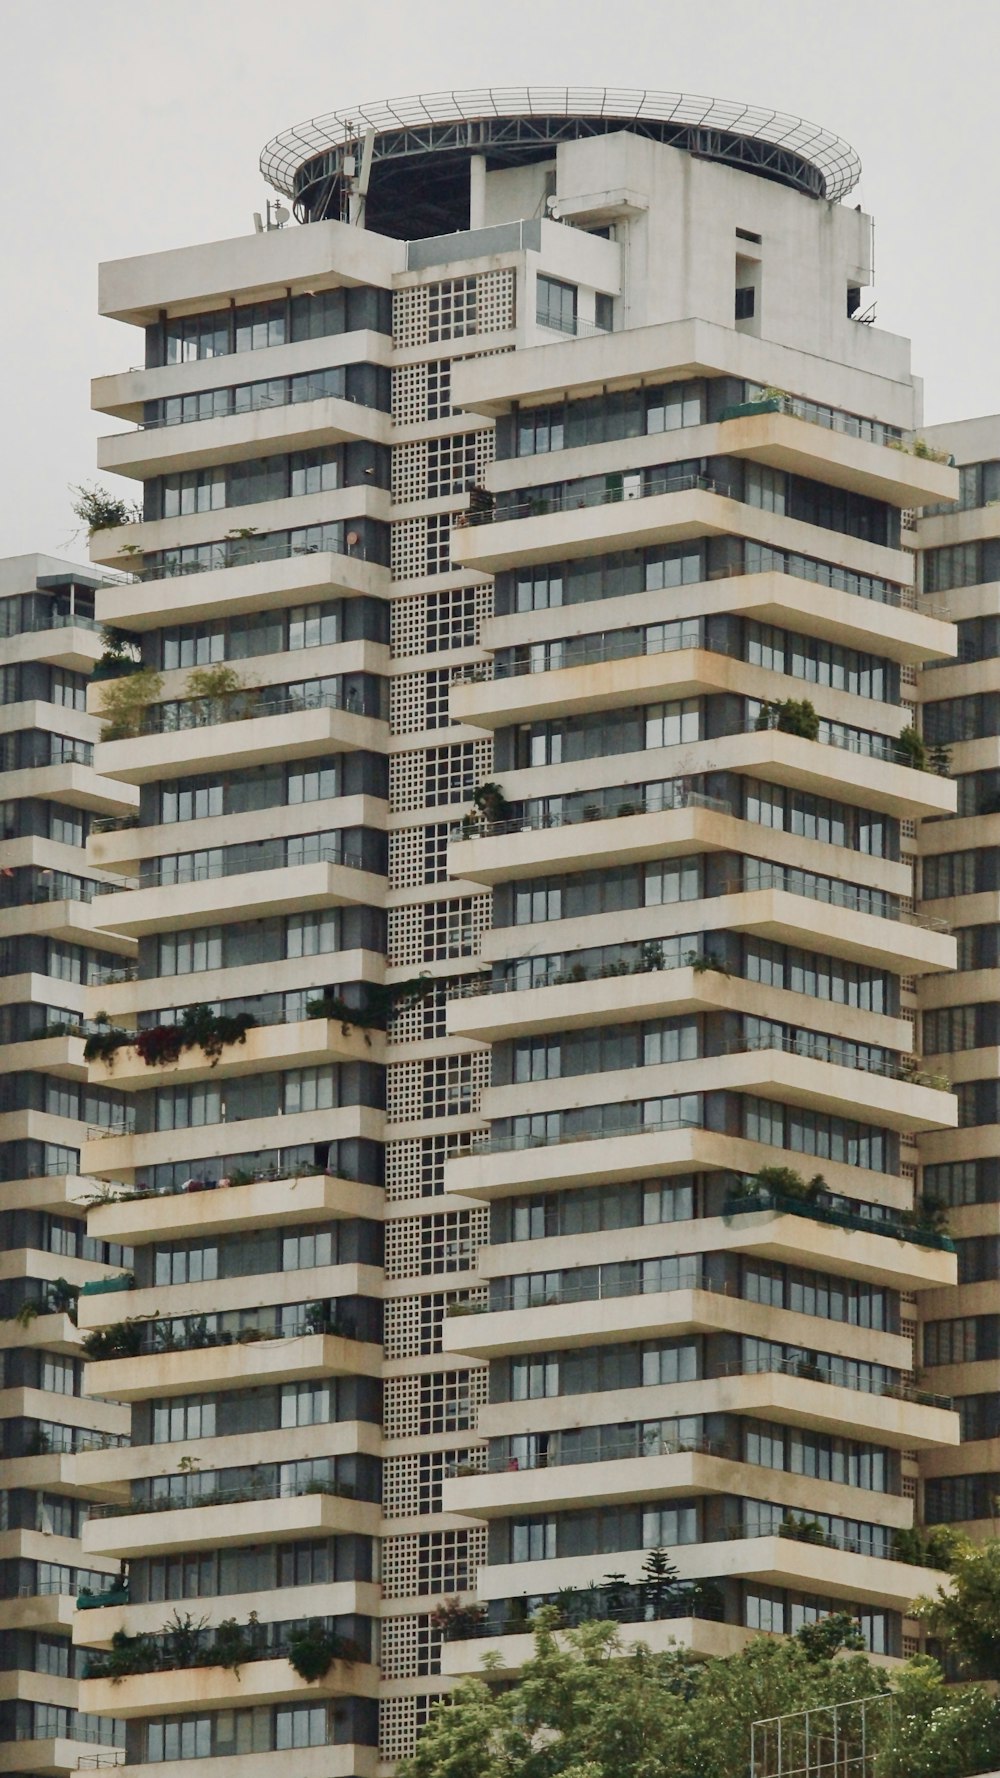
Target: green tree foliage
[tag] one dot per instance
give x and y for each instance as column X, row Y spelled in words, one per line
column 965, row 1619
column 125, row 703
column 589, row 1706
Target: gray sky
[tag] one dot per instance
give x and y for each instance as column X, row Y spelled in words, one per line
column 134, row 125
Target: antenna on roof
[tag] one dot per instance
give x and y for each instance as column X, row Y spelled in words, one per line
column 359, row 185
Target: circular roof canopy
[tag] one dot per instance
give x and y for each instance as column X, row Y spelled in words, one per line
column 423, row 144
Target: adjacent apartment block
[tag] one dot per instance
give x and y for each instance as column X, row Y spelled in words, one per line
column 53, row 946
column 521, row 1157
column 960, row 553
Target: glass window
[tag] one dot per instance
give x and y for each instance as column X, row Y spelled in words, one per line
column 309, row 626
column 310, row 935
column 555, row 304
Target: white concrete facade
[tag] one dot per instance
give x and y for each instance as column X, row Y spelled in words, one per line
column 567, row 504
column 51, row 946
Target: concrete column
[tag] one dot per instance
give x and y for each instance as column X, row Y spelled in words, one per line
column 477, row 191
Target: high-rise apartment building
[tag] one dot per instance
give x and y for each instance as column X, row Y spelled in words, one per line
column 525, row 743
column 52, row 945
column 960, row 552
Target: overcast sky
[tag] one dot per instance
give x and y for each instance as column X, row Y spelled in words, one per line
column 134, row 125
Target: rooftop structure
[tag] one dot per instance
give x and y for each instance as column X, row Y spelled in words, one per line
column 422, row 146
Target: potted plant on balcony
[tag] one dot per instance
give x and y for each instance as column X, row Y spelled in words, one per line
column 312, row 1650
column 793, row 716
column 125, row 703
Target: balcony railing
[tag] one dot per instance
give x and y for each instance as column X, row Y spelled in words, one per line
column 552, row 657
column 608, row 963
column 304, row 389
column 244, row 706
column 544, row 505
column 599, row 1290
column 889, row 1227
column 634, row 1602
column 168, row 1503
column 841, row 895
column 816, row 1048
column 159, row 875
column 243, row 552
column 837, row 1375
column 530, row 1139
column 677, row 795
column 610, row 1451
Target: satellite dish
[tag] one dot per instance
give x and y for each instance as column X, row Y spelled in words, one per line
column 281, row 215
column 352, row 539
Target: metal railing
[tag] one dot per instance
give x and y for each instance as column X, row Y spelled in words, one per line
column 839, row 1376
column 772, row 1203
column 814, row 1047
column 841, row 895
column 209, row 711
column 609, row 1451
column 571, row 326
column 552, row 657
column 195, row 1185
column 163, row 1503
column 570, row 974
column 241, row 553
column 544, row 505
column 658, row 803
column 515, row 1143
column 311, row 391
column 831, row 419
column 153, row 1341
column 690, row 1277
column 65, row 620
column 169, row 876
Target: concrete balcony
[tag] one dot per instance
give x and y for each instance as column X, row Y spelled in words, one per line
column 345, row 1760
column 80, row 786
column 505, row 1171
column 74, row 646
column 792, row 1069
column 50, row 1613
column 504, row 1010
column 512, row 850
column 813, row 1568
column 130, row 1535
column 62, row 1056
column 118, row 1154
column 908, row 946
column 462, row 1657
column 256, row 1683
column 583, row 685
column 901, row 632
column 513, row 1493
column 78, row 1474
column 149, row 604
column 570, row 1319
column 777, row 1561
column 57, row 1755
column 791, row 1393
column 265, row 1049
column 239, row 744
column 96, row 1627
column 265, row 1203
column 785, row 440
column 246, row 1366
column 252, row 895
column 853, row 1248
column 493, row 703
column 218, row 1296
column 671, row 516
column 77, row 922
column 233, row 438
